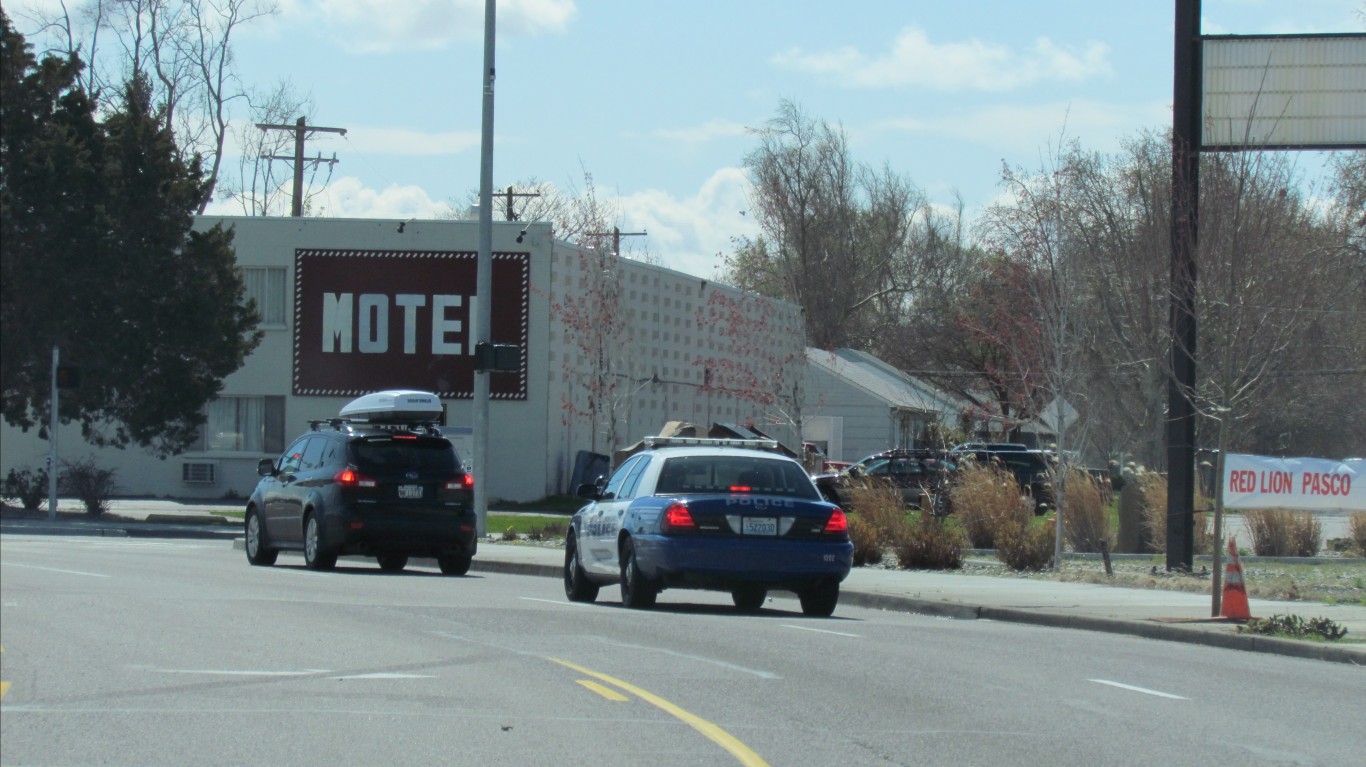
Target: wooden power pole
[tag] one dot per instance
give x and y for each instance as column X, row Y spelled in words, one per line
column 301, row 130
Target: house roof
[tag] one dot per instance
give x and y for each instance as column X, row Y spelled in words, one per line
column 885, row 382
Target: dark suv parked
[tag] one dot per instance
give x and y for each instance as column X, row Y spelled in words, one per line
column 390, row 492
column 1033, row 469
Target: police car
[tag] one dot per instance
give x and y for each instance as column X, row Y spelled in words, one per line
column 722, row 514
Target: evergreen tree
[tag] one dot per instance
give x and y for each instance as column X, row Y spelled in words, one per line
column 99, row 259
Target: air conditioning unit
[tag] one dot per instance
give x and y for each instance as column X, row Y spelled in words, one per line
column 199, row 472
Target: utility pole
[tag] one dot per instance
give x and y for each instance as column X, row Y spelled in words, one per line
column 301, row 131
column 507, row 204
column 617, row 234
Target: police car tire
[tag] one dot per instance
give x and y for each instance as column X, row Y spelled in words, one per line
column 820, row 600
column 577, row 587
column 258, row 553
column 749, row 599
column 315, row 556
column 636, row 591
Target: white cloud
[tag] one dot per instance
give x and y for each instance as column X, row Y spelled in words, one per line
column 707, row 131
column 384, row 25
column 347, row 197
column 1098, row 125
column 686, row 235
column 914, row 60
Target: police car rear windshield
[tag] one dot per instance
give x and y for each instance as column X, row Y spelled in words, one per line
column 697, row 474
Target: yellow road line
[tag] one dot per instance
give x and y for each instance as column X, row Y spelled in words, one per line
column 713, row 733
column 606, row 692
column 4, row 686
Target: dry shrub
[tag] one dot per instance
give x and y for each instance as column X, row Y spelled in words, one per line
column 1086, row 519
column 876, row 518
column 867, row 547
column 1358, row 527
column 930, row 543
column 1152, row 497
column 1283, row 533
column 1025, row 543
column 982, row 496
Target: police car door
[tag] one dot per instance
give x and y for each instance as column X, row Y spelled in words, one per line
column 599, row 541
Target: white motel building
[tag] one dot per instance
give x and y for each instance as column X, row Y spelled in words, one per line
column 611, row 349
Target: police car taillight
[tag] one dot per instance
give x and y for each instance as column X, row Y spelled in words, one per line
column 462, row 482
column 349, row 477
column 677, row 519
column 837, row 524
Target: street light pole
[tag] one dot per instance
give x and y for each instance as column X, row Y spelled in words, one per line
column 483, row 290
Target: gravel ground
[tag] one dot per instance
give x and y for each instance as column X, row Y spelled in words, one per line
column 1328, row 582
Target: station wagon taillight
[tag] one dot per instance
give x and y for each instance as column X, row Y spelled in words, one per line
column 351, row 478
column 677, row 519
column 462, row 482
column 838, row 524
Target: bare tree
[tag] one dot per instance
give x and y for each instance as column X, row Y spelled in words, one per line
column 262, row 185
column 183, row 46
column 836, row 234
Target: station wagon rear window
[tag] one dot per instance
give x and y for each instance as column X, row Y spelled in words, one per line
column 430, row 457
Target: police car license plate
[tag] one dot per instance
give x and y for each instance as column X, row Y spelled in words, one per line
column 410, row 491
column 758, row 526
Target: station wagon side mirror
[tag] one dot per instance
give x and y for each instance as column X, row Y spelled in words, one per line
column 265, row 467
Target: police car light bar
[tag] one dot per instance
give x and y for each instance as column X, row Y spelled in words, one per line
column 753, row 444
column 394, row 406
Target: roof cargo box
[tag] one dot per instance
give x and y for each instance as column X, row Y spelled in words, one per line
column 394, row 406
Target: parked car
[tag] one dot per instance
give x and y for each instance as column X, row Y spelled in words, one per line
column 1033, row 470
column 380, row 481
column 719, row 514
column 922, row 476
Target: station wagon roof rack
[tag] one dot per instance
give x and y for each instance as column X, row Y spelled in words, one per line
column 752, row 444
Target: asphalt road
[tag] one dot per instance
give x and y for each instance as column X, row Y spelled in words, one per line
column 157, row 652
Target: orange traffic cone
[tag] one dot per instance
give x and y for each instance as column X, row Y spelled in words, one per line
column 1234, row 602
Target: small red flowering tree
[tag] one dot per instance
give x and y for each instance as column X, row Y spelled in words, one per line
column 758, row 355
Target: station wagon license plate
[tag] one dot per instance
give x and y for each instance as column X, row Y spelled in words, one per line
column 410, row 491
column 758, row 526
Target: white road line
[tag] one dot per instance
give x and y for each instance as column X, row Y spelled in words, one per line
column 382, row 675
column 1143, row 690
column 559, row 602
column 231, row 672
column 56, row 570
column 820, row 631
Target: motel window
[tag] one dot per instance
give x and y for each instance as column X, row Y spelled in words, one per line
column 244, row 425
column 266, row 286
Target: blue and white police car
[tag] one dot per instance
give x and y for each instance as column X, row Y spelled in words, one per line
column 721, row 514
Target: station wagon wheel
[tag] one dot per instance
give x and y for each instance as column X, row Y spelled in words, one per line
column 820, row 600
column 258, row 553
column 454, row 564
column 392, row 562
column 577, row 587
column 749, row 599
column 636, row 591
column 315, row 556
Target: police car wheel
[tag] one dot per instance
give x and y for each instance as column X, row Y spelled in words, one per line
column 577, row 587
column 749, row 599
column 820, row 600
column 636, row 591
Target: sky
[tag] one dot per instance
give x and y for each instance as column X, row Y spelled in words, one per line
column 656, row 99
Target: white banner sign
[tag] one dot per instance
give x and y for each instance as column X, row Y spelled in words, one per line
column 1257, row 482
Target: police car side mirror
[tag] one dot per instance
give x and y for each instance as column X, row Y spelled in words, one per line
column 265, row 467
column 588, row 491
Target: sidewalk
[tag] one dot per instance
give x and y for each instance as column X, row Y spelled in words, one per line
column 1151, row 613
